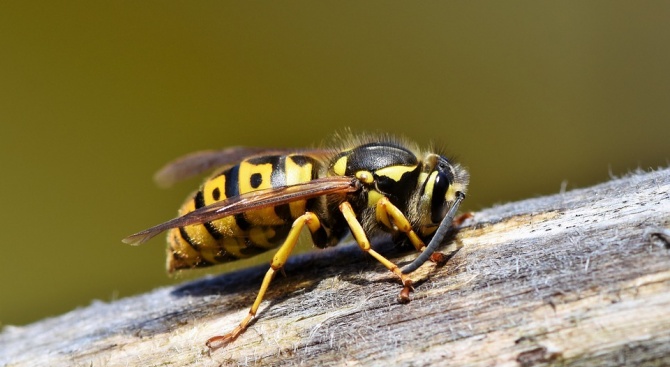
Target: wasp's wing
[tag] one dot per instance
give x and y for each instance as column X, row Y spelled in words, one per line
column 250, row 201
column 196, row 163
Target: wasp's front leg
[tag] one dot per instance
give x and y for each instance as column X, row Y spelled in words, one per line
column 393, row 218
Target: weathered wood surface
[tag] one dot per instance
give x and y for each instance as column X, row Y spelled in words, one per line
column 580, row 278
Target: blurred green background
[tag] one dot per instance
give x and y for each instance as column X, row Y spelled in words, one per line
column 96, row 96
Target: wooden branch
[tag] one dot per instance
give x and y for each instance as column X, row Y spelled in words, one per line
column 577, row 278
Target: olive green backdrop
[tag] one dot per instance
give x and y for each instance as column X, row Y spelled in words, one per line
column 95, row 96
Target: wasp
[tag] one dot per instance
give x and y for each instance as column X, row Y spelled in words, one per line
column 261, row 199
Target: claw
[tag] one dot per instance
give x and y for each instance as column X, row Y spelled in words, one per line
column 219, row 341
column 438, row 258
column 403, row 297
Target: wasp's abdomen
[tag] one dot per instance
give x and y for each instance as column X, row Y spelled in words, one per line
column 246, row 234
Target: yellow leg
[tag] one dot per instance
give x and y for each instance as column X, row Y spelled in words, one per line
column 277, row 263
column 364, row 244
column 389, row 215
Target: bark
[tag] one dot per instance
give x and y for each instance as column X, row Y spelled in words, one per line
column 577, row 278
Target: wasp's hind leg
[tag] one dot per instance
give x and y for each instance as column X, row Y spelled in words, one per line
column 312, row 221
column 364, row 244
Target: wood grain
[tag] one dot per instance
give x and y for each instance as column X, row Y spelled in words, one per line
column 579, row 278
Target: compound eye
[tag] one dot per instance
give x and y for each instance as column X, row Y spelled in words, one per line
column 438, row 203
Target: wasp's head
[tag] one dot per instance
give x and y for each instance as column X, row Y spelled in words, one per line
column 443, row 184
column 440, row 182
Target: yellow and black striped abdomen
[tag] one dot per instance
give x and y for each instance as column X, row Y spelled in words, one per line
column 242, row 235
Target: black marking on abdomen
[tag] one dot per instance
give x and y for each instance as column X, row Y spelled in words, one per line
column 256, row 180
column 199, row 203
column 242, row 222
column 251, row 249
column 233, row 189
column 188, row 239
column 202, row 263
column 232, row 183
column 284, row 212
column 223, row 257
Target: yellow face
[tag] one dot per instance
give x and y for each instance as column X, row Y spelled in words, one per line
column 441, row 181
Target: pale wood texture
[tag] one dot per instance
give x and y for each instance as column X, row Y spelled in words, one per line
column 580, row 278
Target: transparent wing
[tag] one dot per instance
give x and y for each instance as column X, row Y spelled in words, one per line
column 196, row 163
column 250, row 201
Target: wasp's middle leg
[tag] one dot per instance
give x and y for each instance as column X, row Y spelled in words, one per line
column 364, row 244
